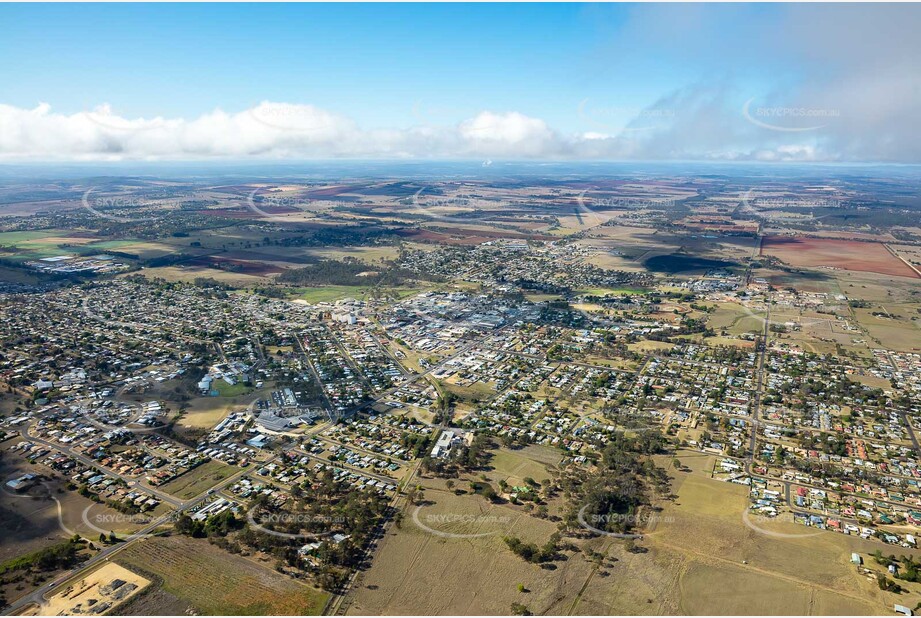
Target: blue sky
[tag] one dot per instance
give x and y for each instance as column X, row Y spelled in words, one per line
column 381, row 64
column 558, row 80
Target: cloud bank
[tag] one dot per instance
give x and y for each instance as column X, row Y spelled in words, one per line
column 284, row 130
column 800, row 83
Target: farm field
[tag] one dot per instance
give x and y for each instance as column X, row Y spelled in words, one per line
column 834, row 253
column 214, row 582
column 33, row 245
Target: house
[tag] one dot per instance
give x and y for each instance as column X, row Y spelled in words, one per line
column 22, row 483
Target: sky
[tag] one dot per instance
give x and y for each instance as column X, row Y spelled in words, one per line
column 642, row 82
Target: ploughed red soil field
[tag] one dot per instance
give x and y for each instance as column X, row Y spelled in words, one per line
column 804, row 251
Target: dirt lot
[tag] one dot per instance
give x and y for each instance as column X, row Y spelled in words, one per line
column 94, row 594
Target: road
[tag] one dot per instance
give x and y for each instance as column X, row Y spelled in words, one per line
column 87, row 461
column 37, row 596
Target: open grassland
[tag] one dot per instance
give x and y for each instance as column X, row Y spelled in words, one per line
column 698, row 557
column 215, row 582
column 513, row 466
column 422, row 569
column 877, row 288
column 703, row 537
column 648, row 345
column 448, row 555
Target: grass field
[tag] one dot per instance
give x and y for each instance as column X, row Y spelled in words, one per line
column 33, row 245
column 205, row 412
column 702, row 537
column 330, row 293
column 231, row 390
column 198, row 480
column 514, row 466
column 611, row 291
column 215, row 582
column 422, row 573
column 894, row 329
column 16, row 275
column 188, row 274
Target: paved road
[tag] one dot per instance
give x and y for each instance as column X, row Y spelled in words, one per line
column 38, row 596
column 130, row 481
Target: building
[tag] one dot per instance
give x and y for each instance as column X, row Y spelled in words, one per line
column 258, row 441
column 442, row 448
column 22, row 483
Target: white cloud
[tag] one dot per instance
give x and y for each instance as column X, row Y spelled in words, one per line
column 861, row 94
column 284, row 130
